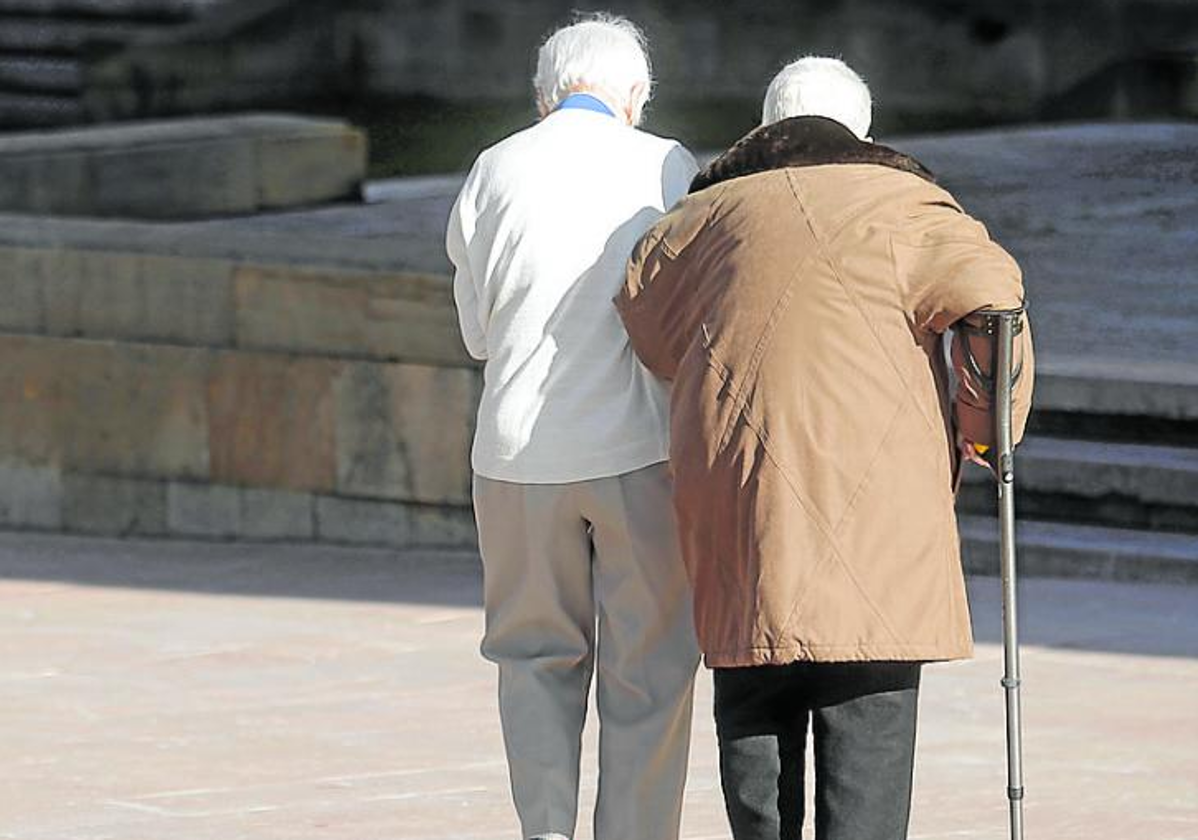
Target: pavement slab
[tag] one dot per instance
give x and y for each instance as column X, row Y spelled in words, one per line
column 194, row 691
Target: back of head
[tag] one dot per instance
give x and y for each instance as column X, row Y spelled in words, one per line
column 600, row 53
column 819, row 87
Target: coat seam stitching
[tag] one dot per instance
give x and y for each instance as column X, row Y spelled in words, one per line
column 834, row 550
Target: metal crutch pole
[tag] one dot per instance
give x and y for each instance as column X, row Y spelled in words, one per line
column 1008, row 323
column 1001, row 327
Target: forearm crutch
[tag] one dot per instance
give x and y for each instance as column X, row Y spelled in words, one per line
column 1001, row 327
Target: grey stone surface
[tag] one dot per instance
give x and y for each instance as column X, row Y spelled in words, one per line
column 30, row 496
column 276, row 515
column 102, row 407
column 184, row 168
column 443, row 526
column 113, row 505
column 295, row 171
column 1096, row 214
column 404, row 431
column 348, row 312
column 1134, row 386
column 1101, row 219
column 362, row 521
column 24, row 287
column 203, row 510
column 125, row 8
column 158, row 689
column 1154, row 474
column 138, row 297
column 217, row 302
column 1051, row 549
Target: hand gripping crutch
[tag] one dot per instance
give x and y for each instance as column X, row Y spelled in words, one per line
column 1001, row 327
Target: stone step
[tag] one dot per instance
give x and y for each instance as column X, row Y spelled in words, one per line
column 26, row 73
column 138, row 9
column 1149, row 474
column 64, row 36
column 183, row 168
column 39, row 110
column 1117, row 400
column 1050, row 549
column 1098, row 483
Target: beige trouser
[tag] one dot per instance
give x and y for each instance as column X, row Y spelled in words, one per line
column 577, row 574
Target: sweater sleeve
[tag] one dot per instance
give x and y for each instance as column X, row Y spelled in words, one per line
column 471, row 319
column 949, row 268
column 678, row 170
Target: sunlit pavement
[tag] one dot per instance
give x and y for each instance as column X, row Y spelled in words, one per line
column 167, row 690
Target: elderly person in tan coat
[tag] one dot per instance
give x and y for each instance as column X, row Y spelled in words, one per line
column 798, row 300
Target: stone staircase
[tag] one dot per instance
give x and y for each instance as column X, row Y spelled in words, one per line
column 1106, row 482
column 47, row 45
column 44, row 45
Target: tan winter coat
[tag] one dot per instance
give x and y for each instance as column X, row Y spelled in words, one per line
column 797, row 300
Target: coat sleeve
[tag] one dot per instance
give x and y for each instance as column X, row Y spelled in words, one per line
column 640, row 303
column 949, row 268
column 471, row 319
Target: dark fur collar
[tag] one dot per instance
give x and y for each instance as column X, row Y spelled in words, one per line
column 801, row 141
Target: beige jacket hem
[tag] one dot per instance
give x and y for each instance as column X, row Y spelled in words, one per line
column 787, row 654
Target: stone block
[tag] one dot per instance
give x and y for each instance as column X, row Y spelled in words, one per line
column 188, row 179
column 183, row 168
column 23, row 286
column 276, row 515
column 394, row 317
column 114, row 506
column 139, row 297
column 404, row 432
column 203, row 510
column 100, row 407
column 271, row 421
column 442, row 526
column 363, row 521
column 30, row 496
column 308, row 169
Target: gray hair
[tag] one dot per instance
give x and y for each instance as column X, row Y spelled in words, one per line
column 821, row 87
column 602, row 52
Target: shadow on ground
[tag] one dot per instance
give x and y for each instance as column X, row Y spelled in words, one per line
column 1140, row 619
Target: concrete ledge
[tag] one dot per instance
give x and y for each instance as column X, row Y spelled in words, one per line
column 1049, row 549
column 1166, row 390
column 184, row 168
column 221, row 303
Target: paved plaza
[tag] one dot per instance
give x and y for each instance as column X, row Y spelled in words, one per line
column 158, row 690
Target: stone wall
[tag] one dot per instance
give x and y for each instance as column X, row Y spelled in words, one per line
column 166, row 395
column 992, row 58
column 931, row 62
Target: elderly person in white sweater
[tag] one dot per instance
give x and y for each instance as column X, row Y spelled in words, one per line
column 572, row 493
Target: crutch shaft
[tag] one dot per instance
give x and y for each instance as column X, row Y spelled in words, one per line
column 1003, row 359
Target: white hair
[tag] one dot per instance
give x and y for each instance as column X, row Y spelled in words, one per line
column 603, row 53
column 819, row 87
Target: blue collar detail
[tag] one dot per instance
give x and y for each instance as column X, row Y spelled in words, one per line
column 584, row 102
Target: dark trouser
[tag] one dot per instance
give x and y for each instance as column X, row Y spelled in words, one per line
column 863, row 726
